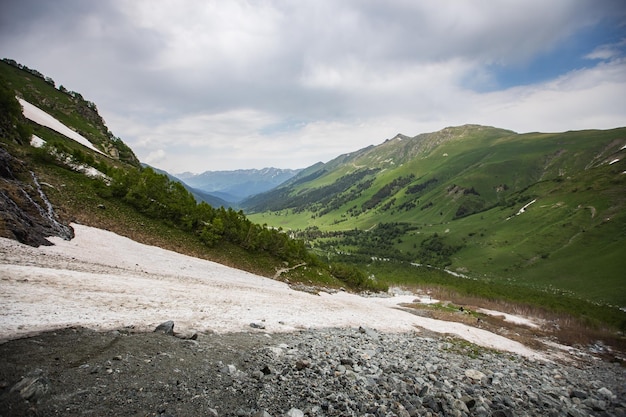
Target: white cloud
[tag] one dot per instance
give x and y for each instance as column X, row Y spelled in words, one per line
column 155, row 157
column 209, row 35
column 608, row 51
column 209, row 84
column 582, row 99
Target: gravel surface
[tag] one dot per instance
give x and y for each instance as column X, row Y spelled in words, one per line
column 322, row 372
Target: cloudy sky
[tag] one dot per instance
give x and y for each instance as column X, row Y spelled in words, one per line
column 196, row 85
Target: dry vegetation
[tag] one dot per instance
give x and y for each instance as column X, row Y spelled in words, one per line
column 559, row 328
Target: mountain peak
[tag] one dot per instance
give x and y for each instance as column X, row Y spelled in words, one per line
column 399, row 136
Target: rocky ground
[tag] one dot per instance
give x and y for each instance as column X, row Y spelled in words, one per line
column 323, row 372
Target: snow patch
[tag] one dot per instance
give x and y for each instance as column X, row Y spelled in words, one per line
column 88, row 170
column 105, row 281
column 614, row 161
column 509, row 317
column 92, row 172
column 523, row 209
column 455, row 274
column 68, row 160
column 37, row 142
column 426, row 299
column 40, row 117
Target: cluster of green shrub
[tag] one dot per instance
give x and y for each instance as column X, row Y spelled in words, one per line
column 418, row 188
column 155, row 195
column 436, row 251
column 12, row 123
column 387, row 190
column 354, row 277
column 364, row 244
column 334, row 202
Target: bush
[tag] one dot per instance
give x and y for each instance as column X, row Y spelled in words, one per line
column 435, row 251
column 12, row 123
column 355, row 278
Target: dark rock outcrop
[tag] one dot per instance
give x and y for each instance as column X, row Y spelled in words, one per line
column 166, row 327
column 26, row 214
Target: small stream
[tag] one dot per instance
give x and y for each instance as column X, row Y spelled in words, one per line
column 48, row 213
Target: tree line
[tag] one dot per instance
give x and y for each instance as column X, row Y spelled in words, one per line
column 155, row 195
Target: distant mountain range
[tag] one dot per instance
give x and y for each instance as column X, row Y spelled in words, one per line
column 234, row 186
column 198, row 194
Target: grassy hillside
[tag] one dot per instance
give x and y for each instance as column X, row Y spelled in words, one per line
column 451, row 199
column 67, row 106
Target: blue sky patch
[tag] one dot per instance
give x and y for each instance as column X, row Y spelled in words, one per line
column 570, row 55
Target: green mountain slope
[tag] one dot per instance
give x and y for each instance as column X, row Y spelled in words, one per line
column 453, row 199
column 69, row 107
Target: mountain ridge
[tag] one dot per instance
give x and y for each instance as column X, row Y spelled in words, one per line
column 450, row 198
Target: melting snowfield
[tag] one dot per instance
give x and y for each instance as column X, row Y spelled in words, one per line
column 105, row 281
column 39, row 116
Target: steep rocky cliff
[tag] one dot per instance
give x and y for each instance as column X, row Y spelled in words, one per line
column 26, row 215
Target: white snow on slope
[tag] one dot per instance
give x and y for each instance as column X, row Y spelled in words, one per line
column 523, row 209
column 88, row 170
column 509, row 317
column 36, row 141
column 104, row 281
column 39, row 116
